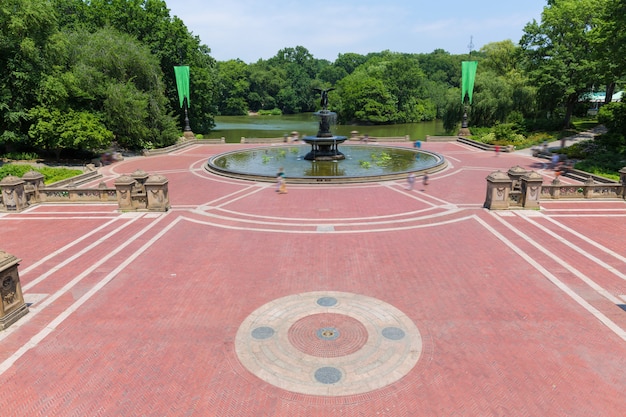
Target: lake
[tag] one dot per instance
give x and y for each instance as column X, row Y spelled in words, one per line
column 234, row 127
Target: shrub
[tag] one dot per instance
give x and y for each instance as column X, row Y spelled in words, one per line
column 272, row 112
column 20, row 156
column 580, row 150
column 50, row 175
column 613, row 116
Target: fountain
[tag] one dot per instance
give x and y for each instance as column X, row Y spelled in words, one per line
column 324, row 162
column 324, row 144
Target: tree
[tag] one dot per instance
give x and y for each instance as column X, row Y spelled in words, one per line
column 349, row 61
column 397, row 81
column 366, row 99
column 167, row 38
column 558, row 53
column 117, row 76
column 502, row 58
column 234, row 87
column 25, row 29
column 610, row 44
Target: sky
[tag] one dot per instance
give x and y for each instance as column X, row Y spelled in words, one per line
column 257, row 29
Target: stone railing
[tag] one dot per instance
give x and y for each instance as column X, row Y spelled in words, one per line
column 519, row 188
column 90, row 174
column 264, row 140
column 181, row 144
column 102, row 194
column 356, row 137
column 135, row 192
column 588, row 190
column 484, row 146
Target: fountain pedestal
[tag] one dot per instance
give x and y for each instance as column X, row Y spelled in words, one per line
column 324, row 146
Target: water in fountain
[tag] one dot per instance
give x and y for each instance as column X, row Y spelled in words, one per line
column 325, row 162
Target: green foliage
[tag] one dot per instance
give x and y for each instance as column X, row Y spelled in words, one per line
column 17, row 170
column 382, row 160
column 50, row 174
column 606, row 165
column 271, row 112
column 387, row 88
column 613, row 116
column 54, row 130
column 63, row 58
column 557, row 53
column 580, row 150
column 53, row 174
column 20, row 156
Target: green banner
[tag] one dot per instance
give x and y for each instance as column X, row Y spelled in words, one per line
column 469, row 75
column 182, row 82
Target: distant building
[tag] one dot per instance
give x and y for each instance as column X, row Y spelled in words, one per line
column 597, row 99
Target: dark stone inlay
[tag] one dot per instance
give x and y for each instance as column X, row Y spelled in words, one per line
column 328, row 333
column 393, row 333
column 328, row 375
column 262, row 333
column 327, row 301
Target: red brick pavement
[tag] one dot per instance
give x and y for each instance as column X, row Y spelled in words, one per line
column 136, row 315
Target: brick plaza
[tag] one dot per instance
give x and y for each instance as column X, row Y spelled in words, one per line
column 331, row 300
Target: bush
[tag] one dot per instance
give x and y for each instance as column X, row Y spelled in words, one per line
column 272, row 112
column 20, row 156
column 613, row 116
column 550, row 125
column 580, row 150
column 50, row 175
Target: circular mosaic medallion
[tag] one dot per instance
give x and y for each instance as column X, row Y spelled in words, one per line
column 327, row 335
column 328, row 343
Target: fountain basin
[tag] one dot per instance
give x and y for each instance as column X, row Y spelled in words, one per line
column 362, row 163
column 324, row 148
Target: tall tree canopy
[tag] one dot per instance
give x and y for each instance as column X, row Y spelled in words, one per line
column 104, row 64
column 559, row 55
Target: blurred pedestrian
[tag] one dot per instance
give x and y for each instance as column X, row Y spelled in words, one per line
column 425, row 179
column 411, row 181
column 282, row 189
column 279, row 176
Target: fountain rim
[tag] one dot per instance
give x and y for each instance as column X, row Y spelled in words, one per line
column 439, row 165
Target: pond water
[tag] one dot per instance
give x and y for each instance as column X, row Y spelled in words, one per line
column 233, row 128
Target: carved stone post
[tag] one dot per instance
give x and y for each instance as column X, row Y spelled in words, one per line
column 140, row 176
column 588, row 190
column 123, row 188
column 156, row 190
column 104, row 196
column 555, row 191
column 516, row 173
column 531, row 190
column 498, row 188
column 34, row 180
column 13, row 194
column 138, row 196
column 12, row 306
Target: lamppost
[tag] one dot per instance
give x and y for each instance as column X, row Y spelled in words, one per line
column 468, row 70
column 187, row 128
column 182, row 83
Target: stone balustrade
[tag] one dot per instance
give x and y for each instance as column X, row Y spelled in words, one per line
column 523, row 189
column 138, row 191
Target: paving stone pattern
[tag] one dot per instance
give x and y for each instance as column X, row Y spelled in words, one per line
column 332, row 300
